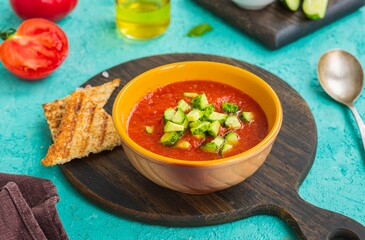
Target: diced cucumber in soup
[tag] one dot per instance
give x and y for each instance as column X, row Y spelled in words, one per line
column 214, row 128
column 200, row 102
column 216, row 116
column 246, row 116
column 200, row 136
column 169, row 138
column 179, row 116
column 214, row 145
column 168, row 114
column 201, row 118
column 232, row 138
column 201, row 128
column 173, row 127
column 229, row 107
column 184, row 106
column 194, row 115
column 195, row 124
column 232, row 122
column 226, row 148
column 208, row 110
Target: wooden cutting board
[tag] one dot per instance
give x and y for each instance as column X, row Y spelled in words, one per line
column 109, row 180
column 275, row 26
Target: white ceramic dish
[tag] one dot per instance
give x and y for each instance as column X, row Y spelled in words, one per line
column 253, row 4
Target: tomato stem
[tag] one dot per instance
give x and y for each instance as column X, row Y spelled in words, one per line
column 5, row 34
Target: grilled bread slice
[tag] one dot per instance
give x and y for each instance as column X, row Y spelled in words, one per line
column 85, row 128
column 54, row 111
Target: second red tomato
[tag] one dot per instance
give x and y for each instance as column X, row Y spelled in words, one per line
column 53, row 10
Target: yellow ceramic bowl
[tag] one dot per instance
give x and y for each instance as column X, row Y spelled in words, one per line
column 197, row 177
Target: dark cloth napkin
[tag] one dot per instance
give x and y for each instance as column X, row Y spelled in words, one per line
column 28, row 209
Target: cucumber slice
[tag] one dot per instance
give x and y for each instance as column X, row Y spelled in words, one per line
column 229, row 107
column 178, row 117
column 209, row 147
column 200, row 102
column 168, row 114
column 173, row 127
column 214, row 145
column 291, row 5
column 183, row 105
column 216, row 116
column 232, row 122
column 232, row 138
column 315, row 9
column 195, row 124
column 246, row 116
column 214, row 128
column 169, row 138
column 201, row 128
column 200, row 136
column 194, row 115
column 208, row 110
column 226, row 148
column 185, row 123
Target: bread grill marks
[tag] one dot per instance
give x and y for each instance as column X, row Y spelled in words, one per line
column 85, row 128
column 55, row 110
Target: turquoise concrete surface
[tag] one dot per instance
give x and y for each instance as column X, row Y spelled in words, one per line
column 335, row 182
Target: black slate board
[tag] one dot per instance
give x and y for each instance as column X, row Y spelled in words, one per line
column 275, row 26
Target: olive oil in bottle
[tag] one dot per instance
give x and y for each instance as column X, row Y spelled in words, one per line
column 142, row 19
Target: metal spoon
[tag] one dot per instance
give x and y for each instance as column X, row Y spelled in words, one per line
column 341, row 76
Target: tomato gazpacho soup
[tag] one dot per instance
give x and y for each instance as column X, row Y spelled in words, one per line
column 197, row 120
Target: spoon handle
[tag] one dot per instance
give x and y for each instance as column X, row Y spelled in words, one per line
column 359, row 122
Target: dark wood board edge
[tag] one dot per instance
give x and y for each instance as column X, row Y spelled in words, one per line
column 298, row 25
column 167, row 220
column 339, row 227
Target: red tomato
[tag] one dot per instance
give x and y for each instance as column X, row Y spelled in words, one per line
column 36, row 49
column 52, row 10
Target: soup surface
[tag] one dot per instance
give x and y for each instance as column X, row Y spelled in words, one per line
column 150, row 110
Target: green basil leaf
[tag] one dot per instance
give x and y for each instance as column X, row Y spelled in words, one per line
column 199, row 30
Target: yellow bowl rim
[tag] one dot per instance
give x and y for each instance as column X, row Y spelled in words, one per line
column 199, row 163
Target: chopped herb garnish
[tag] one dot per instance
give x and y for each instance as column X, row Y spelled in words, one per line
column 199, row 30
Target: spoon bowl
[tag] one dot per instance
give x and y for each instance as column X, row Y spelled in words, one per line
column 341, row 76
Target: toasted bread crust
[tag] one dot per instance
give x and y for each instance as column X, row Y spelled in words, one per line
column 55, row 110
column 85, row 128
